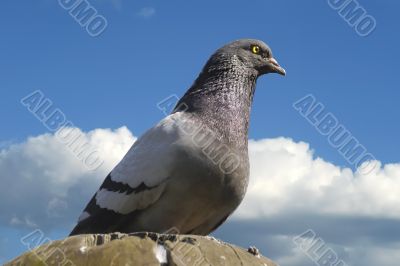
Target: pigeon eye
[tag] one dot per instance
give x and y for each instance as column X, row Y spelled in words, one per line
column 255, row 49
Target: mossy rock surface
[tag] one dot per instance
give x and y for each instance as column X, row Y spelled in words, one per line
column 140, row 249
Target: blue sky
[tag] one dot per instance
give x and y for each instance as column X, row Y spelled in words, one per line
column 117, row 78
column 138, row 61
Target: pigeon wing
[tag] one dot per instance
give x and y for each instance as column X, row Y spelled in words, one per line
column 136, row 183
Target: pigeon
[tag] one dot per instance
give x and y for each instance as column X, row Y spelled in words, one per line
column 190, row 171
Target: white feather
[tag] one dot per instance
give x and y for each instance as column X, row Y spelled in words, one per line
column 126, row 203
column 150, row 160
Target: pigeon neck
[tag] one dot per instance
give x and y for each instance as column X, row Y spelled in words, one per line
column 222, row 97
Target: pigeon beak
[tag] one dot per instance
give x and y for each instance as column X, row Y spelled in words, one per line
column 276, row 68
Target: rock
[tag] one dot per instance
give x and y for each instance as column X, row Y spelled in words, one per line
column 139, row 249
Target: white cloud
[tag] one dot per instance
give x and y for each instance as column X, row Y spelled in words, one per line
column 286, row 178
column 41, row 174
column 146, row 12
column 25, row 222
column 375, row 255
column 44, row 185
column 364, row 253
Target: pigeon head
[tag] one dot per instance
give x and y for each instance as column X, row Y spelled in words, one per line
column 231, row 72
column 253, row 54
column 222, row 94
